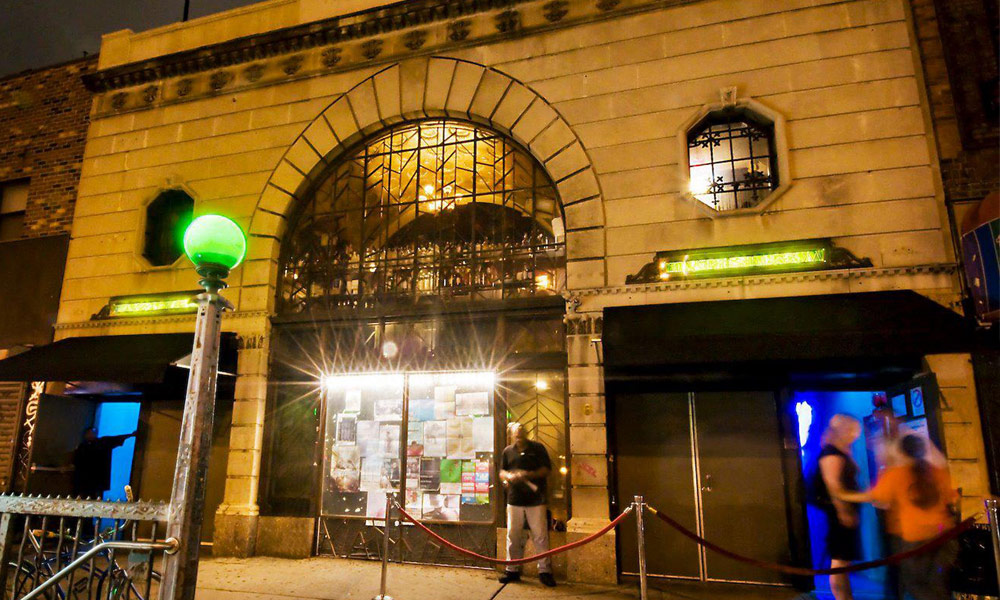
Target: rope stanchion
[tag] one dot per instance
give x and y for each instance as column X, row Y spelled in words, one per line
column 517, row 561
column 931, row 544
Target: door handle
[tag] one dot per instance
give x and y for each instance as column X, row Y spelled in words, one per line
column 708, row 484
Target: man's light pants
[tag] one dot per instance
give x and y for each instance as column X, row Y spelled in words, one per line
column 536, row 519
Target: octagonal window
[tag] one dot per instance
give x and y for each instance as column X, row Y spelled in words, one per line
column 732, row 159
column 166, row 218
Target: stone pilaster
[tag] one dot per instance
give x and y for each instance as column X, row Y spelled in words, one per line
column 595, row 562
column 962, row 433
column 237, row 516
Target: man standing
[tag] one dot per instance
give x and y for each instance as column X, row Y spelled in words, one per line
column 524, row 469
column 92, row 463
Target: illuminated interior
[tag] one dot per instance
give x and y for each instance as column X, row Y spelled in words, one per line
column 733, row 164
column 434, row 208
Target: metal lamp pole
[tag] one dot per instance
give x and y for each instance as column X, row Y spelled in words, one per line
column 187, row 500
column 216, row 245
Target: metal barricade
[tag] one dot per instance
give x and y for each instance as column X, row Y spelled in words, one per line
column 111, row 547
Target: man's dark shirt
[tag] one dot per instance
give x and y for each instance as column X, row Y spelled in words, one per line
column 532, row 458
column 92, row 465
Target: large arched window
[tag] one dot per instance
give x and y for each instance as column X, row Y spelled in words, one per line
column 432, row 209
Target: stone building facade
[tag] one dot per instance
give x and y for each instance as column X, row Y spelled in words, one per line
column 247, row 111
column 44, row 115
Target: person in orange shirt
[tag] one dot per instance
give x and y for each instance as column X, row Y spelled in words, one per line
column 920, row 500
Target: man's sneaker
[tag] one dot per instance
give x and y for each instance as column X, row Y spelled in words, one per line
column 510, row 577
column 547, row 579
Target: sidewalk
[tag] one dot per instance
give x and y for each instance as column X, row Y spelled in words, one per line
column 338, row 579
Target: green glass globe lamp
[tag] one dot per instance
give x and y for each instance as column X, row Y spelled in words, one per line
column 216, row 245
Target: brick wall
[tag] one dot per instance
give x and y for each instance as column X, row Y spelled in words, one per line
column 958, row 50
column 43, row 126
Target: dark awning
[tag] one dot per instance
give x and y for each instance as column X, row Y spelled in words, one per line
column 875, row 325
column 121, row 358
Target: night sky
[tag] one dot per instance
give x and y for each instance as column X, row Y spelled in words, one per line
column 37, row 33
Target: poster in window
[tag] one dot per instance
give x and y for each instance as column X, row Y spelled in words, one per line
column 482, row 434
column 371, row 474
column 430, row 474
column 414, row 439
column 413, row 503
column 444, row 402
column 352, row 401
column 347, row 429
column 390, row 476
column 376, row 504
column 441, row 507
column 388, row 436
column 345, row 467
column 422, row 410
column 435, row 438
column 412, row 472
column 460, row 441
column 917, row 401
column 389, row 409
column 367, row 436
column 472, row 403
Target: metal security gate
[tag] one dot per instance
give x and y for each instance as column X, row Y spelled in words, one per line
column 713, row 462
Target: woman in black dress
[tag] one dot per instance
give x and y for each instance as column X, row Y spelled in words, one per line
column 839, row 473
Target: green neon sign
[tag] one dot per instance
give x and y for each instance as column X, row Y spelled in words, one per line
column 689, row 266
column 140, row 306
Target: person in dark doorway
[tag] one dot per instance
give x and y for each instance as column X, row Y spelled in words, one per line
column 921, row 500
column 92, row 463
column 838, row 473
column 524, row 469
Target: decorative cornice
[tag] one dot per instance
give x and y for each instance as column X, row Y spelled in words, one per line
column 750, row 280
column 357, row 40
column 155, row 320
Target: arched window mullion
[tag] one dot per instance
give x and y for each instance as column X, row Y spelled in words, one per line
column 403, row 201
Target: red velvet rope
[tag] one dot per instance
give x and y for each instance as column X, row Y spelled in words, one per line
column 518, row 561
column 931, row 544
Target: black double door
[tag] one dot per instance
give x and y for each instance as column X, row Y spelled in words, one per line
column 712, row 461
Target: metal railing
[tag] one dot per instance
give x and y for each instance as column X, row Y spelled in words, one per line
column 72, row 549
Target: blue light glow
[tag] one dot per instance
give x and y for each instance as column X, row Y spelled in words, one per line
column 805, row 414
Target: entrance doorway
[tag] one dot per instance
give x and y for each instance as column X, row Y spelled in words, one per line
column 909, row 404
column 712, row 461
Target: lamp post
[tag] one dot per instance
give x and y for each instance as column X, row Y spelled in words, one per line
column 215, row 245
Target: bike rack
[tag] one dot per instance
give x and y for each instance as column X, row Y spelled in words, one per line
column 169, row 546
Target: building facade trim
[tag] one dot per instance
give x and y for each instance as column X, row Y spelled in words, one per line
column 949, row 269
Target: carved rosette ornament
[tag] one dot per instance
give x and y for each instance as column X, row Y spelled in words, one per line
column 371, row 49
column 118, row 100
column 415, row 39
column 292, row 64
column 330, row 57
column 184, row 87
column 254, row 72
column 149, row 94
column 555, row 11
column 458, row 30
column 508, row 21
column 220, row 79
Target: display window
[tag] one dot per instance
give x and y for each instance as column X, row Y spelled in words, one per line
column 429, row 438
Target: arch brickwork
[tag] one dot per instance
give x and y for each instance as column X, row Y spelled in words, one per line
column 438, row 87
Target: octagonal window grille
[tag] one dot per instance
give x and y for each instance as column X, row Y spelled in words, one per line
column 732, row 160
